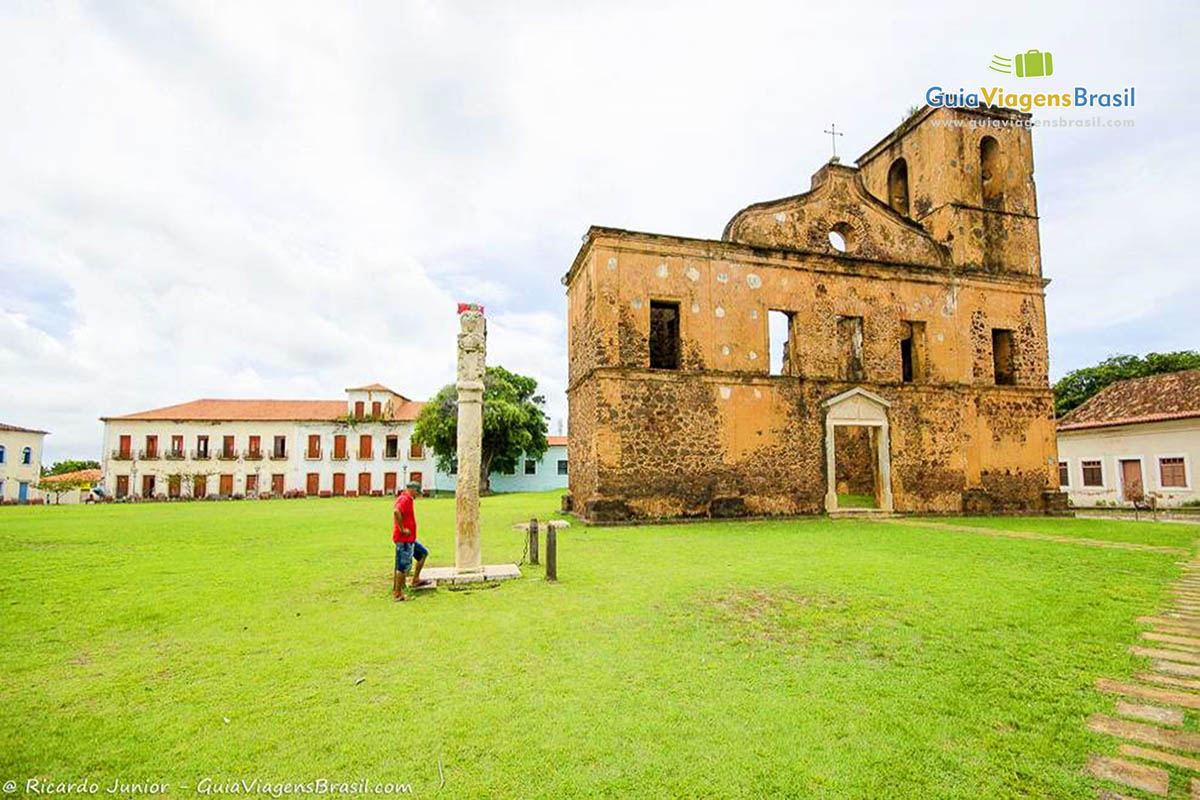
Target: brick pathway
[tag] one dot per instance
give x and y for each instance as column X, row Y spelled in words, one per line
column 1044, row 537
column 1156, row 755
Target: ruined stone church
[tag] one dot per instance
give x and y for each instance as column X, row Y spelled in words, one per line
column 911, row 371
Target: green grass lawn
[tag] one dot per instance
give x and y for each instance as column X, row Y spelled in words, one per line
column 856, row 501
column 1169, row 534
column 792, row 658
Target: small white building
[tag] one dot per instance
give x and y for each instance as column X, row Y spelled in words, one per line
column 357, row 446
column 71, row 488
column 20, row 463
column 1136, row 440
column 533, row 475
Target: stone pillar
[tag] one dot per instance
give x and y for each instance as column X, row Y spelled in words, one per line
column 831, row 503
column 472, row 349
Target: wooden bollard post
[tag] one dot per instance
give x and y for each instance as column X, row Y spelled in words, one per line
column 551, row 553
column 533, row 541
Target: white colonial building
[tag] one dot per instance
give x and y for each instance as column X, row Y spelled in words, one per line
column 357, row 446
column 20, row 463
column 1136, row 441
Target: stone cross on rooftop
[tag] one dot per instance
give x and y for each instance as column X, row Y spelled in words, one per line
column 833, row 134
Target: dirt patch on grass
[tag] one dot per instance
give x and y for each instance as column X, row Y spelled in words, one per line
column 807, row 625
column 777, row 615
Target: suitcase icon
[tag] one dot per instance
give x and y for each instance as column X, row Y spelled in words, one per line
column 1034, row 64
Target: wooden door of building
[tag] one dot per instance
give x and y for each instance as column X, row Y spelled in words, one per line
column 389, row 483
column 364, row 484
column 1131, row 479
column 226, row 487
column 415, row 477
column 277, row 484
column 122, row 485
column 339, row 484
column 314, row 484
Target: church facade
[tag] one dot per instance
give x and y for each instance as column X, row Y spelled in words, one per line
column 910, row 360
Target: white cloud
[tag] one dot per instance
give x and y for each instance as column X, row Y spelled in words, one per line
column 284, row 199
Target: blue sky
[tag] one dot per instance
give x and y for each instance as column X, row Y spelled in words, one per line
column 282, row 200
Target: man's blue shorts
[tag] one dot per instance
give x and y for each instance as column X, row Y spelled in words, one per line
column 406, row 552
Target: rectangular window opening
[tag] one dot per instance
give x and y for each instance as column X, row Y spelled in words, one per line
column 562, row 466
column 530, row 466
column 780, row 342
column 664, row 335
column 850, row 348
column 1002, row 357
column 1064, row 474
column 1171, row 473
column 1093, row 473
column 912, row 351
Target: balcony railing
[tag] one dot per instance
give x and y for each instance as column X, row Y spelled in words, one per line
column 148, row 455
column 174, row 455
column 342, row 456
column 201, row 455
column 391, row 455
column 313, row 455
column 122, row 455
column 227, row 454
column 253, row 455
column 279, row 455
column 364, row 455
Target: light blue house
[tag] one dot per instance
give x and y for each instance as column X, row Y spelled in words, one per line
column 549, row 472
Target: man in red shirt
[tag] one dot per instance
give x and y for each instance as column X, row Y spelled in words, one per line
column 404, row 535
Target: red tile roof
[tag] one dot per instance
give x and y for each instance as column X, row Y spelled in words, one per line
column 1154, row 398
column 92, row 475
column 556, row 441
column 19, row 429
column 261, row 411
column 374, row 387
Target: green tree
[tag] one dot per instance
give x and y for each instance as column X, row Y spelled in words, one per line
column 71, row 465
column 514, row 424
column 1078, row 386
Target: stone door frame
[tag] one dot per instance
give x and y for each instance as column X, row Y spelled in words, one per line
column 858, row 408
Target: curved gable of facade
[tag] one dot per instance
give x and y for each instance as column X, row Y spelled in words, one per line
column 838, row 201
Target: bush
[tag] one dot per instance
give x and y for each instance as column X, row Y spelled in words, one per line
column 325, row 493
column 351, row 493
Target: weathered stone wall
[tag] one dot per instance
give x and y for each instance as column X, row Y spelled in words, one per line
column 945, row 186
column 722, row 436
column 681, row 446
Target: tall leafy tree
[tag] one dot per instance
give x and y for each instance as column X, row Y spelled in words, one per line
column 514, row 423
column 1078, row 386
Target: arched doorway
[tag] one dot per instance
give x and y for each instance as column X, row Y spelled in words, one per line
column 859, row 408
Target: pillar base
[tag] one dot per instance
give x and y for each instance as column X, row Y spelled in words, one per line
column 451, row 576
